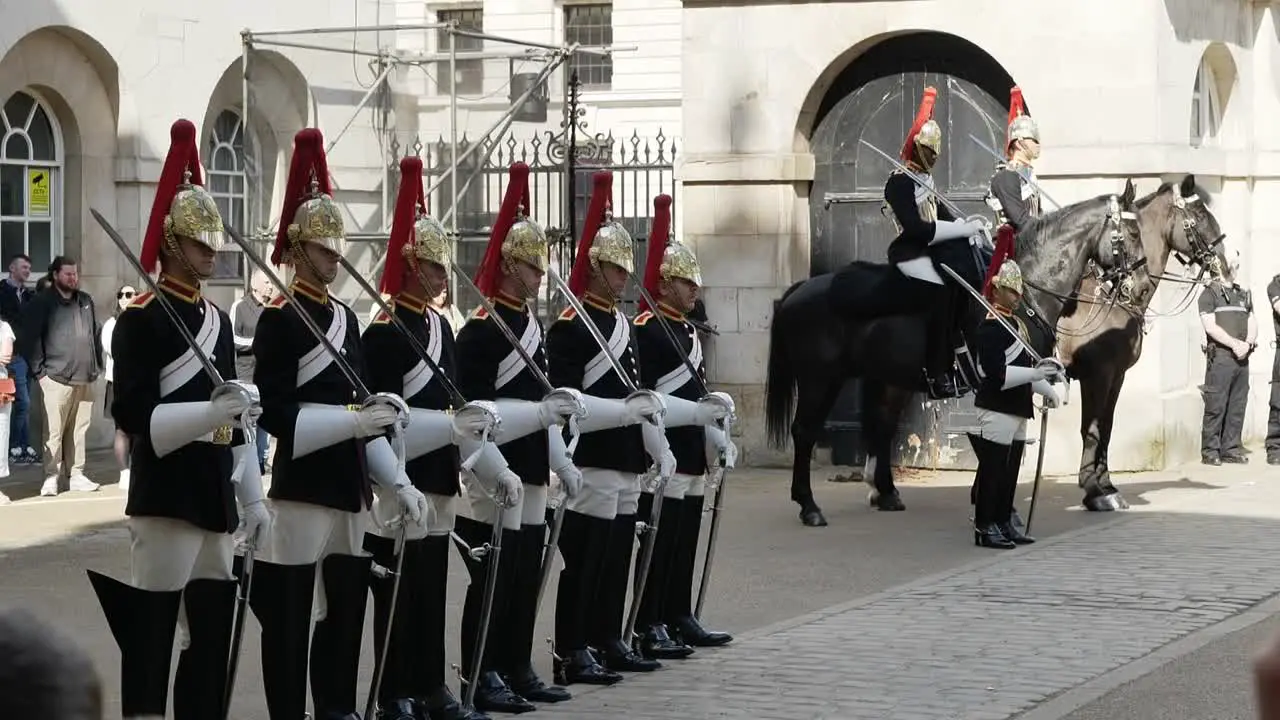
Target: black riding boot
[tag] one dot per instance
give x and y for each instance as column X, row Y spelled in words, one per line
column 611, row 604
column 335, row 643
column 143, row 623
column 583, row 542
column 1012, row 466
column 520, row 674
column 492, row 692
column 940, row 355
column 200, row 685
column 990, row 493
column 655, row 636
column 281, row 600
column 679, row 599
column 426, row 680
column 395, row 695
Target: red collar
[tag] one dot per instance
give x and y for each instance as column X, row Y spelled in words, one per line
column 179, row 289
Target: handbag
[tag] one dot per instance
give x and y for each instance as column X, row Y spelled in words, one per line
column 7, row 390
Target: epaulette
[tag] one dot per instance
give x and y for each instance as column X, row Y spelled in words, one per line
column 643, row 317
column 479, row 314
column 141, row 301
column 382, row 319
column 568, row 314
column 278, row 301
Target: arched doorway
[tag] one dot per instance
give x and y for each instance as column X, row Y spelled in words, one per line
column 875, row 99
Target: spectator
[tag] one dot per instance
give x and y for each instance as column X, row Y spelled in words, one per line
column 124, row 296
column 244, row 322
column 443, row 304
column 60, row 341
column 7, row 393
column 14, row 295
column 43, row 284
column 43, row 673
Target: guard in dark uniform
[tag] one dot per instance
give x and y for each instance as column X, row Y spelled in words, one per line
column 1009, row 377
column 413, row 681
column 593, row 584
column 190, row 461
column 330, row 443
column 490, row 369
column 1273, row 415
column 1014, row 194
column 1226, row 311
column 674, row 279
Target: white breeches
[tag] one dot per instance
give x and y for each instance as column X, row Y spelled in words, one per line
column 1000, row 427
column 606, row 494
column 442, row 513
column 303, row 534
column 681, row 486
column 531, row 510
column 167, row 554
column 921, row 268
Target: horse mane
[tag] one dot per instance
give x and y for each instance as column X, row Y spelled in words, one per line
column 1200, row 192
column 1052, row 223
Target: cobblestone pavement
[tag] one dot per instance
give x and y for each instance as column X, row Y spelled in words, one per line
column 980, row 644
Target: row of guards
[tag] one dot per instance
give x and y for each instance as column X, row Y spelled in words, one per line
column 395, row 442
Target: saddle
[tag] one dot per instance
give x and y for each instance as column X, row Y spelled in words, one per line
column 865, row 290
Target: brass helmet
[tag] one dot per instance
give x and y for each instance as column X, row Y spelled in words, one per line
column 430, row 240
column 514, row 236
column 925, row 131
column 678, row 261
column 319, row 221
column 526, row 241
column 1009, row 276
column 1021, row 126
column 182, row 207
column 309, row 213
column 415, row 235
column 603, row 239
column 613, row 244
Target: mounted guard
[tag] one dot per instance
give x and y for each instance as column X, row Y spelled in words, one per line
column 192, row 458
column 1015, row 192
column 670, row 355
column 331, row 436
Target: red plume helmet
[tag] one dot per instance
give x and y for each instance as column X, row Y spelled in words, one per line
column 308, row 163
column 1016, row 108
column 658, row 234
column 515, row 199
column 601, row 194
column 409, row 202
column 183, row 157
column 923, row 115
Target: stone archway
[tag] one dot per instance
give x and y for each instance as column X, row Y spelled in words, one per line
column 875, row 99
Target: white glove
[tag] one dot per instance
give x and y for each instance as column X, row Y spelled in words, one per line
column 227, row 408
column 655, row 441
column 570, row 479
column 380, row 460
column 1052, row 368
column 492, row 472
column 944, row 230
column 667, row 464
column 722, row 448
column 561, row 463
column 1015, row 375
column 373, row 420
column 255, row 520
column 706, row 411
column 508, row 488
column 1046, row 391
column 412, row 502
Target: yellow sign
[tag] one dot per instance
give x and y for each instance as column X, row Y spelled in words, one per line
column 38, row 192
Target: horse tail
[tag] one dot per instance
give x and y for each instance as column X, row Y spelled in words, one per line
column 780, row 381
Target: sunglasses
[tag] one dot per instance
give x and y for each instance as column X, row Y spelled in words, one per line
column 124, row 294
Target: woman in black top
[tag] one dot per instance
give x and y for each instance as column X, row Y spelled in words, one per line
column 1009, row 377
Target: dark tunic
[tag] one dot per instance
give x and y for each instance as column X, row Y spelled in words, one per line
column 570, row 349
column 1018, row 200
column 916, row 230
column 482, row 351
column 391, row 358
column 192, row 483
column 657, row 359
column 995, row 350
column 332, row 476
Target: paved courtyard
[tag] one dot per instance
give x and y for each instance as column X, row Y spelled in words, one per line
column 879, row 615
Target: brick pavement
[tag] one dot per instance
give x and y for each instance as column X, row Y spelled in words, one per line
column 984, row 643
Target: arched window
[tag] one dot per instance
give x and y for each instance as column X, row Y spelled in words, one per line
column 228, row 157
column 30, row 182
column 1206, row 107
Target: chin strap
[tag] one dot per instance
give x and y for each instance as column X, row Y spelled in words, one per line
column 573, row 434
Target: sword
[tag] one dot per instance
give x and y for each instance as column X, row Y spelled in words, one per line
column 1029, row 181
column 237, row 633
column 381, row 666
column 448, row 384
column 493, row 552
column 1035, row 486
column 717, row 507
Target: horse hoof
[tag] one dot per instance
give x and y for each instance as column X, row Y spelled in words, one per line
column 890, row 503
column 1105, row 503
column 872, row 496
column 813, row 518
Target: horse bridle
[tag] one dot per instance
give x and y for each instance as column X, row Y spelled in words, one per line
column 1202, row 255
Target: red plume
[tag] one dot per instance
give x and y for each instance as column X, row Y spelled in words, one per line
column 308, row 160
column 1016, row 108
column 183, row 155
column 1004, row 251
column 601, row 193
column 402, row 224
column 657, row 245
column 922, row 116
column 488, row 274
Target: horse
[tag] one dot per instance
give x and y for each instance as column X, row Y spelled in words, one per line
column 814, row 349
column 1098, row 344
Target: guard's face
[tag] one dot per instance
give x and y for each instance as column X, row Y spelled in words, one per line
column 614, row 277
column 1006, row 297
column 434, row 278
column 926, row 157
column 324, row 260
column 199, row 257
column 681, row 294
column 529, row 278
column 1030, row 148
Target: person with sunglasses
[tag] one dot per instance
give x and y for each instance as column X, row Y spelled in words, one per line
column 124, row 296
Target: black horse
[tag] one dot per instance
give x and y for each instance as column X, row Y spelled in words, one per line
column 813, row 348
column 1099, row 342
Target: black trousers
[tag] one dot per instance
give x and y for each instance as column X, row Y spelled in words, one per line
column 1273, row 417
column 997, row 479
column 1226, row 392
